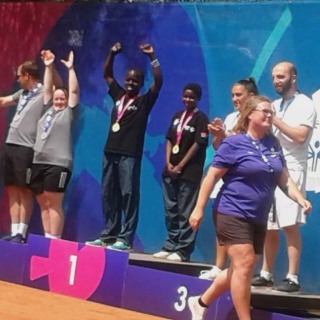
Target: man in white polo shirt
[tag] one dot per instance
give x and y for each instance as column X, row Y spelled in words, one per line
column 293, row 123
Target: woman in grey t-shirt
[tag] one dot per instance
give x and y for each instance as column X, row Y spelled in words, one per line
column 52, row 162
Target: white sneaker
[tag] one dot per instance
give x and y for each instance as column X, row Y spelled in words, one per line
column 210, row 274
column 161, row 254
column 174, row 257
column 197, row 311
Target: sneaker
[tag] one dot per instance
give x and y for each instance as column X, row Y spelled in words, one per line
column 197, row 311
column 18, row 238
column 259, row 281
column 174, row 257
column 97, row 242
column 161, row 254
column 7, row 238
column 210, row 274
column 288, row 285
column 119, row 246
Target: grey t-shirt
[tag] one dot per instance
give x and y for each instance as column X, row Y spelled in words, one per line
column 23, row 127
column 54, row 145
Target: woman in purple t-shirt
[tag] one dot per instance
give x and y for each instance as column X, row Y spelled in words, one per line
column 251, row 165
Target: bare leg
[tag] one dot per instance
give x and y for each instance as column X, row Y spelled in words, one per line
column 271, row 247
column 294, row 245
column 243, row 260
column 26, row 205
column 14, row 203
column 220, row 285
column 221, row 255
column 56, row 212
column 45, row 217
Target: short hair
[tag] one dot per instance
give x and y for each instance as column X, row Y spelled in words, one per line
column 249, row 84
column 31, row 68
column 139, row 72
column 195, row 88
column 292, row 68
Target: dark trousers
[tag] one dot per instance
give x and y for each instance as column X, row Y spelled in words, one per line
column 179, row 197
column 120, row 193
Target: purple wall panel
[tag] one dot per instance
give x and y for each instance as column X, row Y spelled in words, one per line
column 13, row 259
column 75, row 270
column 165, row 294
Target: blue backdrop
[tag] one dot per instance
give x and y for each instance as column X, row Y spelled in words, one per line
column 213, row 44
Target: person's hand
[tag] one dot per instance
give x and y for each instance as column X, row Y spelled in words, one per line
column 47, row 57
column 147, row 49
column 196, row 219
column 305, row 205
column 69, row 63
column 216, row 127
column 177, row 169
column 170, row 169
column 116, row 48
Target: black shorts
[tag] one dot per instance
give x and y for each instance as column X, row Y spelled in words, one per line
column 235, row 230
column 17, row 165
column 46, row 177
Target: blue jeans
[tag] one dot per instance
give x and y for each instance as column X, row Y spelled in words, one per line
column 120, row 193
column 180, row 198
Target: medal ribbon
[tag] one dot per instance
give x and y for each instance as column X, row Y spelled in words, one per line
column 182, row 124
column 27, row 97
column 122, row 109
column 48, row 119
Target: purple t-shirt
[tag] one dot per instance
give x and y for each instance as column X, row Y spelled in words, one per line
column 254, row 170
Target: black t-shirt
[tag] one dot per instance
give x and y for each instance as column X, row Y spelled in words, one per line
column 196, row 130
column 129, row 139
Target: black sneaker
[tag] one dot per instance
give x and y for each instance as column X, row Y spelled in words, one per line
column 7, row 238
column 288, row 285
column 18, row 238
column 259, row 281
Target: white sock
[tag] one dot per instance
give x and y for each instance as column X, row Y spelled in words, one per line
column 47, row 235
column 293, row 278
column 56, row 237
column 216, row 269
column 14, row 228
column 23, row 229
column 266, row 274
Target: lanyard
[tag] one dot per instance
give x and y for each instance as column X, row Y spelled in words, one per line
column 48, row 119
column 122, row 109
column 27, row 97
column 284, row 105
column 182, row 124
column 258, row 145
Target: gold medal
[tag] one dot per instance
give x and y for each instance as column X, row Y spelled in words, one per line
column 116, row 127
column 175, row 149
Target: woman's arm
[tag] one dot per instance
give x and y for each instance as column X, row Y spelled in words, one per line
column 74, row 90
column 213, row 175
column 48, row 59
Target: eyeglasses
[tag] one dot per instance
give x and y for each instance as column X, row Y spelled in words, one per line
column 266, row 112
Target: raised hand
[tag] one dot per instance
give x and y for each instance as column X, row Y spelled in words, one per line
column 216, row 127
column 47, row 57
column 69, row 63
column 116, row 48
column 147, row 49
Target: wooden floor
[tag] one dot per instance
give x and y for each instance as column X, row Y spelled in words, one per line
column 24, row 303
